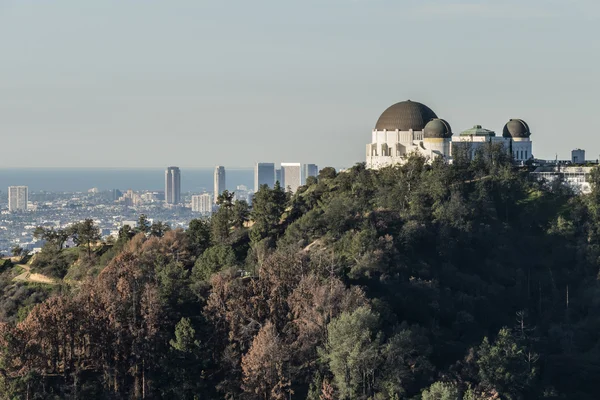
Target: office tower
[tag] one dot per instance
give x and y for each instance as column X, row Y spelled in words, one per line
column 264, row 174
column 278, row 176
column 17, row 198
column 202, row 203
column 219, row 181
column 116, row 194
column 172, row 185
column 242, row 193
column 291, row 174
column 309, row 170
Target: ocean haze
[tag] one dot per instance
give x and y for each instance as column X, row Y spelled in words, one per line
column 101, row 83
column 79, row 180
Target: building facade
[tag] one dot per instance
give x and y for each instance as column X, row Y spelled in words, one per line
column 291, row 175
column 17, row 198
column 220, row 182
column 278, row 176
column 202, row 203
column 575, row 177
column 578, row 156
column 410, row 127
column 172, row 185
column 264, row 174
column 309, row 170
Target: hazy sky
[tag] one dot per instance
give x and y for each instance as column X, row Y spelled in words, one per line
column 103, row 83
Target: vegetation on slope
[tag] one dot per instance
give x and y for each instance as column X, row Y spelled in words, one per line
column 463, row 281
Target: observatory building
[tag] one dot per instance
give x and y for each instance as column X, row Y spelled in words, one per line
column 410, row 127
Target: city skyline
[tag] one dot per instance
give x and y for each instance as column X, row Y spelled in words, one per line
column 63, row 94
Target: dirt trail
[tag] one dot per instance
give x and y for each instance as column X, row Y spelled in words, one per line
column 27, row 276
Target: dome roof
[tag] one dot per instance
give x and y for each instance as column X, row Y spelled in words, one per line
column 405, row 116
column 516, row 128
column 437, row 128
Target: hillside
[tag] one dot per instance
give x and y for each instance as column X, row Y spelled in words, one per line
column 463, row 281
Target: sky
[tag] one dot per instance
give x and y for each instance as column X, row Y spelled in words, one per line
column 113, row 83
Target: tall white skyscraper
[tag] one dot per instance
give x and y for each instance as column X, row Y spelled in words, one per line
column 309, row 170
column 264, row 174
column 219, row 181
column 172, row 185
column 202, row 203
column 291, row 175
column 17, row 198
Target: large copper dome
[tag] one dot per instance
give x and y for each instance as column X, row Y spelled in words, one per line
column 405, row 116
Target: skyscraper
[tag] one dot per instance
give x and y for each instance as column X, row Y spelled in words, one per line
column 291, row 175
column 219, row 181
column 278, row 176
column 309, row 170
column 202, row 203
column 17, row 198
column 172, row 185
column 264, row 174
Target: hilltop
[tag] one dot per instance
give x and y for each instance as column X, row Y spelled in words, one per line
column 420, row 281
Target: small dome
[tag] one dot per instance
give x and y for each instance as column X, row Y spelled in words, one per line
column 437, row 128
column 516, row 128
column 405, row 116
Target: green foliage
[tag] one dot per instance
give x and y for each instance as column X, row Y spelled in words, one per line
column 53, row 262
column 506, row 366
column 212, row 260
column 268, row 206
column 85, row 233
column 441, row 391
column 198, row 235
column 351, row 352
column 185, row 337
column 395, row 275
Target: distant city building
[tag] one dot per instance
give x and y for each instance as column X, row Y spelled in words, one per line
column 131, row 224
column 242, row 193
column 202, row 203
column 264, row 174
column 278, row 176
column 291, row 175
column 131, row 199
column 172, row 185
column 17, row 198
column 578, row 156
column 410, row 127
column 309, row 170
column 116, row 194
column 219, row 181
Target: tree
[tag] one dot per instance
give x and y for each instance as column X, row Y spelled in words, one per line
column 85, row 233
column 16, row 251
column 221, row 221
column 441, row 391
column 268, row 206
column 263, row 367
column 56, row 237
column 212, row 260
column 241, row 213
column 185, row 337
column 327, row 173
column 158, row 229
column 503, row 366
column 352, row 352
column 198, row 234
column 143, row 224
